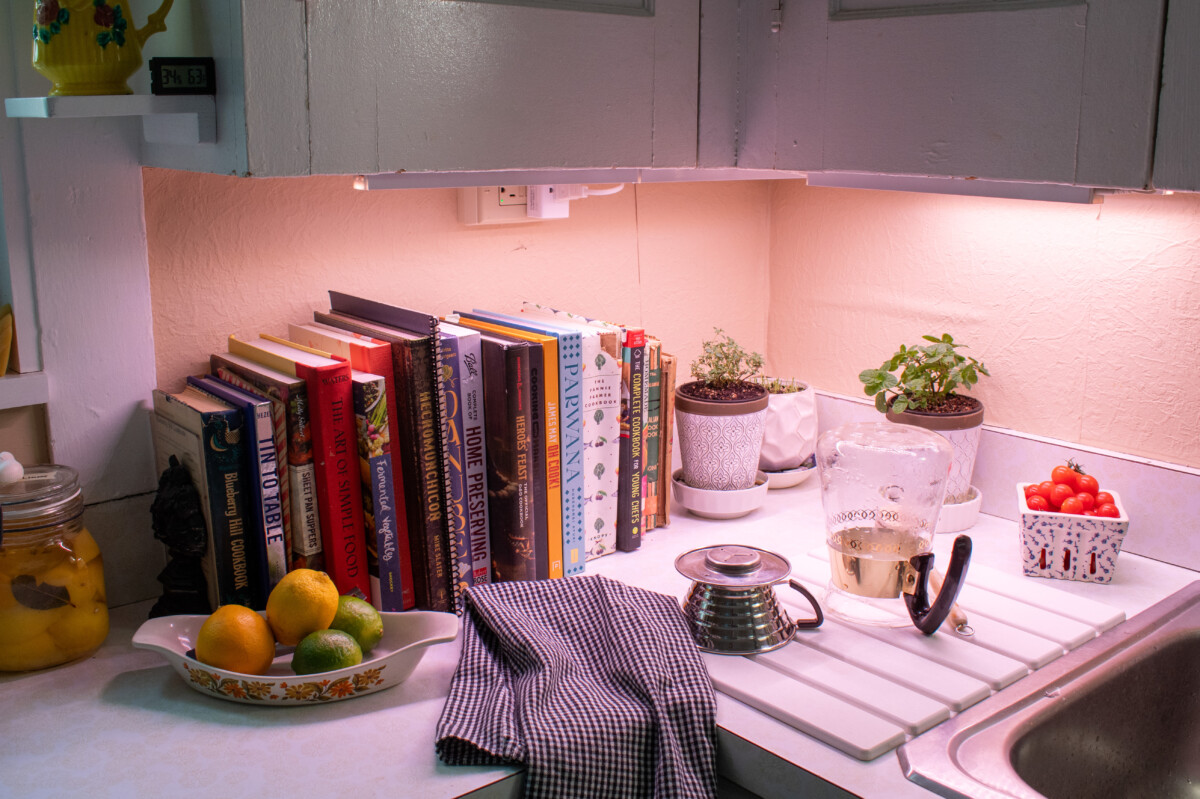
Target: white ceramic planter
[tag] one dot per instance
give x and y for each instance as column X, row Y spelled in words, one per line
column 789, row 430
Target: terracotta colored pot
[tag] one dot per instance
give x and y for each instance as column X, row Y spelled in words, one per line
column 719, row 442
column 962, row 430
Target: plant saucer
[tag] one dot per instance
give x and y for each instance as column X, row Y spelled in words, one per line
column 791, row 477
column 719, row 504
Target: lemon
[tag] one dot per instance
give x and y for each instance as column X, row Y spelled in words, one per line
column 326, row 650
column 303, row 601
column 236, row 638
column 361, row 620
column 37, row 652
column 82, row 628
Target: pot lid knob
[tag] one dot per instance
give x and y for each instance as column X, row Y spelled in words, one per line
column 732, row 559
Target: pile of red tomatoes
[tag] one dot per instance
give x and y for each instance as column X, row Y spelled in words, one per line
column 1071, row 490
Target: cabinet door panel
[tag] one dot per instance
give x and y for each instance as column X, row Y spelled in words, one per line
column 1176, row 163
column 432, row 85
column 1054, row 92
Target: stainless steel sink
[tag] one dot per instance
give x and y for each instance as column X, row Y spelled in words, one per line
column 1118, row 717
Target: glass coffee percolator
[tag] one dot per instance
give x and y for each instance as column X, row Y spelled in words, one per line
column 882, row 486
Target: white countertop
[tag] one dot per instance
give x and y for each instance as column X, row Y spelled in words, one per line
column 122, row 723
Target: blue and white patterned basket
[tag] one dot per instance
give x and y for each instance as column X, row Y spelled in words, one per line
column 1070, row 547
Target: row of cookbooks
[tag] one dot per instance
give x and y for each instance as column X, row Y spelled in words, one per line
column 412, row 456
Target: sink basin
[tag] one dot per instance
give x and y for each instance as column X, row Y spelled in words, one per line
column 1118, row 717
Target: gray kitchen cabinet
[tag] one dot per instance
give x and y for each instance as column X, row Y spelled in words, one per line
column 1176, row 163
column 1055, row 91
column 345, row 87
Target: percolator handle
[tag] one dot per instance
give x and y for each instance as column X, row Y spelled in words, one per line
column 928, row 617
column 817, row 620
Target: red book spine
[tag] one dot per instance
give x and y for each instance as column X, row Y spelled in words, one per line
column 339, row 487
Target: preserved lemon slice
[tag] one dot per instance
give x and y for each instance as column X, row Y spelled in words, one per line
column 19, row 624
column 34, row 653
column 80, row 629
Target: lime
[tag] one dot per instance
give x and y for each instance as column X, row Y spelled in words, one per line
column 303, row 601
column 360, row 619
column 235, row 638
column 326, row 650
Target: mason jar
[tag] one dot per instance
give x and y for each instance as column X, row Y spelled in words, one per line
column 52, row 603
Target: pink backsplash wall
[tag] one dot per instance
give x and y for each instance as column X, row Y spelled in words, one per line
column 1088, row 317
column 248, row 256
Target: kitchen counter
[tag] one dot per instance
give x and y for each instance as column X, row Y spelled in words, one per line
column 121, row 723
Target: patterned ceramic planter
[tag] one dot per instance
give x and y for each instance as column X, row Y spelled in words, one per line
column 962, row 430
column 1069, row 547
column 789, row 430
column 719, row 442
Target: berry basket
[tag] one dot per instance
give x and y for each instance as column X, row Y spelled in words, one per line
column 1067, row 546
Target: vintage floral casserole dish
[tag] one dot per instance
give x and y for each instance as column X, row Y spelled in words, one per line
column 406, row 636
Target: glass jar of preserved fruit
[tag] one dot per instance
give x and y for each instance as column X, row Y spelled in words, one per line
column 52, row 603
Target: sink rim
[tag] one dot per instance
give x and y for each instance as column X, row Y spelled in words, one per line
column 968, row 756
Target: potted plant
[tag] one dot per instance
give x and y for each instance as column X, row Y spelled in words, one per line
column 918, row 386
column 720, row 417
column 790, row 428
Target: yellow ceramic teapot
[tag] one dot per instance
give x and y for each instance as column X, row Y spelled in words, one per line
column 87, row 46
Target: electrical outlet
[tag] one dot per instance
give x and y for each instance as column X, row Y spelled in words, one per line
column 492, row 205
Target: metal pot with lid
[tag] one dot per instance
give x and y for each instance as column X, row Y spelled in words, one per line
column 731, row 608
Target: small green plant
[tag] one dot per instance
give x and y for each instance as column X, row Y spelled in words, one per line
column 724, row 362
column 777, row 385
column 928, row 375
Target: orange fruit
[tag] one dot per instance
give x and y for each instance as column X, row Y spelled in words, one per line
column 235, row 638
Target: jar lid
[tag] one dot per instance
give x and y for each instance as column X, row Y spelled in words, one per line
column 733, row 565
column 44, row 497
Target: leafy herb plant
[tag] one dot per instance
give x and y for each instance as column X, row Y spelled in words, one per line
column 928, row 376
column 777, row 385
column 724, row 363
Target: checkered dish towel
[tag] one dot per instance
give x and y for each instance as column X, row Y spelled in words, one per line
column 595, row 686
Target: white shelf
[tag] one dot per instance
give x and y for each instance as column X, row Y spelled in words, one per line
column 21, row 390
column 166, row 119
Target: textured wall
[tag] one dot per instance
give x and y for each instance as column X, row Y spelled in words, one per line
column 247, row 256
column 1088, row 317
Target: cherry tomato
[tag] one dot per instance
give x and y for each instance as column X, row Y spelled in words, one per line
column 1059, row 493
column 1108, row 509
column 1087, row 500
column 1071, row 505
column 1087, row 484
column 1089, row 513
column 1044, row 488
column 1031, row 489
column 1037, row 502
column 1065, row 475
column 1104, row 498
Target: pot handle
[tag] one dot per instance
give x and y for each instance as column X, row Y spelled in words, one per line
column 816, row 621
column 926, row 616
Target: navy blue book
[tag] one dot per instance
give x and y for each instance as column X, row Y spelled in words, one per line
column 265, row 503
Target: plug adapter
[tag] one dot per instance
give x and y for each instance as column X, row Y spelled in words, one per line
column 546, row 202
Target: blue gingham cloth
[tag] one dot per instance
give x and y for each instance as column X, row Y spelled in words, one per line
column 595, row 686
